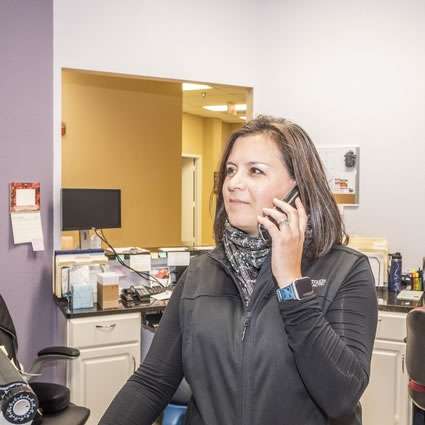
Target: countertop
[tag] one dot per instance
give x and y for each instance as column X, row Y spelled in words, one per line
column 148, row 308
column 387, row 301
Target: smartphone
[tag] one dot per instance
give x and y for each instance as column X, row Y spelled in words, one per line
column 290, row 199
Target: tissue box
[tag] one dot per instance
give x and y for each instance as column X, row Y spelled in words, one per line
column 107, row 278
column 108, row 290
column 81, row 295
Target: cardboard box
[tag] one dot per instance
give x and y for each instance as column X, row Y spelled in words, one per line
column 108, row 295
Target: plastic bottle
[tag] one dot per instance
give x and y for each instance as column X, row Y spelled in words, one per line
column 394, row 281
column 415, row 280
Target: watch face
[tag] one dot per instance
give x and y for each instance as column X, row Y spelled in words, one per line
column 304, row 287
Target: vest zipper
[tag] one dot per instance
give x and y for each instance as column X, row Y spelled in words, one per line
column 246, row 324
column 245, row 372
column 244, row 413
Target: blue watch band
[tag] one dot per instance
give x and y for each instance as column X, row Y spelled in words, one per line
column 286, row 293
column 297, row 290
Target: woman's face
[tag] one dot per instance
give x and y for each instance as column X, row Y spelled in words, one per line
column 255, row 174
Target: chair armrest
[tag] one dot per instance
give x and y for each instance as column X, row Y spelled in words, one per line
column 67, row 352
column 52, row 354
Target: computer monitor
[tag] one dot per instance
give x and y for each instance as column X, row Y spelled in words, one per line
column 85, row 209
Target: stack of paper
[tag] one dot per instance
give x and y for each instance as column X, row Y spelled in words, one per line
column 407, row 295
column 64, row 261
column 377, row 251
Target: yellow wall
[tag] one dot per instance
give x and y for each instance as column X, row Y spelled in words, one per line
column 192, row 134
column 126, row 133
column 227, row 129
column 206, row 137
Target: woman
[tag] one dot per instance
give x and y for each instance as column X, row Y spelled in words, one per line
column 265, row 334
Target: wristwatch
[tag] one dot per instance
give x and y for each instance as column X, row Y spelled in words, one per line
column 297, row 290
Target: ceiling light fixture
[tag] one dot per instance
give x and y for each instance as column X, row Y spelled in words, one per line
column 216, row 108
column 241, row 107
column 191, row 86
column 224, row 108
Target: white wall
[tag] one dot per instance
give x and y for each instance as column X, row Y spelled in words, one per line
column 353, row 72
column 184, row 40
column 348, row 72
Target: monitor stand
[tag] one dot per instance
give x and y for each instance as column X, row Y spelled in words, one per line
column 84, row 239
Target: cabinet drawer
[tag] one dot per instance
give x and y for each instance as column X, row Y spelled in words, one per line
column 391, row 326
column 104, row 330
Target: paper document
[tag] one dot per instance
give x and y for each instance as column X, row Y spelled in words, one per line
column 176, row 249
column 407, row 295
column 177, row 258
column 141, row 263
column 26, row 227
column 161, row 275
column 162, row 296
column 129, row 250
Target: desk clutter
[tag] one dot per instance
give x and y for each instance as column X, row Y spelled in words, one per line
column 129, row 276
column 408, row 284
column 387, row 268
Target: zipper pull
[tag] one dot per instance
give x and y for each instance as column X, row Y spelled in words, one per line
column 246, row 324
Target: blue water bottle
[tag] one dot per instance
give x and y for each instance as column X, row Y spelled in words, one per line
column 394, row 280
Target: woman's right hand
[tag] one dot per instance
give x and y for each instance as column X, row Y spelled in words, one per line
column 287, row 239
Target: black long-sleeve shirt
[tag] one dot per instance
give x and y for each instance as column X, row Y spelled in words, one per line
column 280, row 363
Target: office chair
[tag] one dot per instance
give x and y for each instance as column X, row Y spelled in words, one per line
column 174, row 413
column 415, row 354
column 53, row 399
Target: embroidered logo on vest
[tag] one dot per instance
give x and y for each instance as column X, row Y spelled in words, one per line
column 318, row 282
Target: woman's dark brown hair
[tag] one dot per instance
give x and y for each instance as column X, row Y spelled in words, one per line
column 325, row 226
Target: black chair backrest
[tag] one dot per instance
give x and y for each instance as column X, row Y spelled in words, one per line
column 8, row 336
column 415, row 354
column 415, row 349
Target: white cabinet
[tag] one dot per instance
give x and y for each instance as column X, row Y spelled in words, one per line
column 109, row 354
column 386, row 400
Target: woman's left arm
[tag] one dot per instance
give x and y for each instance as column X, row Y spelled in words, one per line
column 333, row 350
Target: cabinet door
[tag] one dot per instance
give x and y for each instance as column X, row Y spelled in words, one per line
column 99, row 373
column 385, row 401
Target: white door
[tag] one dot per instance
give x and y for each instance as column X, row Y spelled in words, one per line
column 386, row 401
column 190, row 226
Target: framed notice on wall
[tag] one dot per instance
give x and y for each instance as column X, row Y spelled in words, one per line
column 341, row 165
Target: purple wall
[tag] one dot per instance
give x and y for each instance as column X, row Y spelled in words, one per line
column 26, row 154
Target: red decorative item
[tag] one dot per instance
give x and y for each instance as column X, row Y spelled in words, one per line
column 63, row 128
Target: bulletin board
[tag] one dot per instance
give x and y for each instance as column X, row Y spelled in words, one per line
column 341, row 164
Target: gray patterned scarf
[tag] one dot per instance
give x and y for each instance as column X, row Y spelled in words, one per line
column 246, row 255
